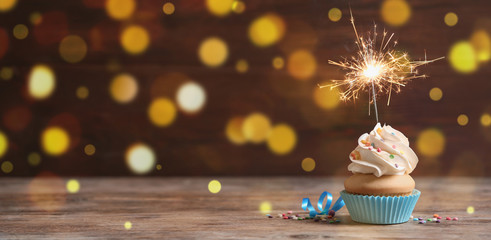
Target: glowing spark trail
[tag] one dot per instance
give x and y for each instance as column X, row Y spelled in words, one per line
column 374, row 66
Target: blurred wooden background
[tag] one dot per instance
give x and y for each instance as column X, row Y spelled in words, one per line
column 197, row 144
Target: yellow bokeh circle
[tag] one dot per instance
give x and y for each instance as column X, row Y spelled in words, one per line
column 20, row 31
column 265, row 207
column 395, row 12
column 127, row 225
column 334, row 14
column 168, row 8
column 6, row 5
column 486, row 120
column 431, row 142
column 282, row 139
column 34, row 159
column 470, row 209
column 214, row 186
column 462, row 119
column 256, row 127
column 55, row 141
column 73, row 49
column 162, row 112
column 278, row 62
column 89, row 149
column 219, row 8
column 308, row 164
column 436, row 94
column 302, row 65
column 140, row 158
column 326, row 98
column 72, row 186
column 123, row 88
column 6, row 73
column 242, row 66
column 266, row 30
column 238, row 6
column 120, row 9
column 82, row 92
column 41, row 82
column 36, row 18
column 7, row 167
column 4, row 144
column 481, row 42
column 451, row 19
column 135, row 39
column 462, row 57
column 233, row 131
column 213, row 52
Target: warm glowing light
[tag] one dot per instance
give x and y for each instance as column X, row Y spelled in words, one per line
column 238, row 6
column 431, row 142
column 135, row 39
column 302, row 65
column 334, row 14
column 168, row 8
column 256, row 127
column 46, row 192
column 265, row 207
column 127, row 225
column 73, row 49
column 462, row 119
column 7, row 5
column 282, row 139
column 278, row 62
column 233, row 131
column 72, row 186
column 470, row 209
column 55, row 141
column 219, row 8
column 41, row 82
column 395, row 12
column 481, row 42
column 486, row 120
column 120, row 9
column 266, row 30
column 140, row 158
column 213, row 52
column 191, row 97
column 4, row 144
column 451, row 19
column 123, row 88
column 82, row 92
column 89, row 149
column 462, row 57
column 7, row 167
column 436, row 94
column 20, row 31
column 6, row 73
column 158, row 167
column 214, row 186
column 241, row 66
column 34, row 159
column 35, row 18
column 308, row 164
column 326, row 99
column 162, row 112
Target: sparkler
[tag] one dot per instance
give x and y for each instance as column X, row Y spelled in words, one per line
column 377, row 67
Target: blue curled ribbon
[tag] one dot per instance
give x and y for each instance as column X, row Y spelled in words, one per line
column 323, row 210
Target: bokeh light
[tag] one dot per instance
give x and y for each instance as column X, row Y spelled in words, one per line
column 123, row 88
column 4, row 144
column 462, row 119
column 47, row 192
column 41, row 82
column 462, row 57
column 213, row 52
column 7, row 5
column 35, row 18
column 55, row 141
column 256, row 127
column 20, row 31
column 168, row 8
column 135, row 39
column 6, row 73
column 334, row 14
column 73, row 49
column 436, row 94
column 278, row 62
column 266, row 30
column 158, row 167
column 326, row 98
column 430, row 142
column 470, row 210
column 214, row 186
column 219, row 8
column 89, row 149
column 238, row 6
column 302, row 64
column 140, row 158
column 241, row 66
column 451, row 19
column 162, row 112
column 233, row 131
column 308, row 164
column 34, row 159
column 120, row 9
column 191, row 97
column 82, row 92
column 72, row 186
column 481, row 42
column 7, row 167
column 395, row 12
column 486, row 120
column 282, row 139
column 127, row 225
column 265, row 207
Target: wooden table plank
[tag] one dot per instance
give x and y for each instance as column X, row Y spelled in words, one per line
column 183, row 208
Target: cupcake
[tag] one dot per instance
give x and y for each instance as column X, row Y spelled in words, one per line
column 380, row 191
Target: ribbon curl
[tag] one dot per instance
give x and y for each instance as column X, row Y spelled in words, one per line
column 323, row 209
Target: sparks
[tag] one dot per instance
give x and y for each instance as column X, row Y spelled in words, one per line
column 377, row 67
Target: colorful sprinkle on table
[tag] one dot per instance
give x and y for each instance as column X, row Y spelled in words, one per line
column 391, row 156
column 448, row 218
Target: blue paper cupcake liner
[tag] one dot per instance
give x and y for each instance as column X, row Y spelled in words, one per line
column 380, row 209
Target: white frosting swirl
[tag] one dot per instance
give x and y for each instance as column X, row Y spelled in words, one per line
column 385, row 151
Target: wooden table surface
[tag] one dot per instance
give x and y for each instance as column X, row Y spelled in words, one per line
column 183, row 208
